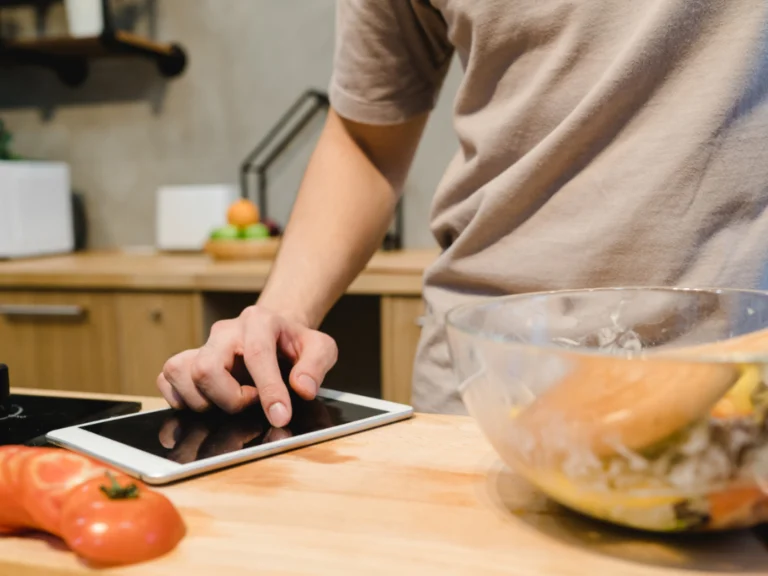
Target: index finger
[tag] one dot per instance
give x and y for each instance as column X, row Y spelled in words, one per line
column 260, row 356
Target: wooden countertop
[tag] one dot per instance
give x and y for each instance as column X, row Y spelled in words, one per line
column 387, row 272
column 426, row 496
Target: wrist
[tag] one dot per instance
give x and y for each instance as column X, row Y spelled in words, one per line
column 286, row 310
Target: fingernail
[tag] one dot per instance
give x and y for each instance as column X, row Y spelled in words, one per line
column 278, row 414
column 308, row 384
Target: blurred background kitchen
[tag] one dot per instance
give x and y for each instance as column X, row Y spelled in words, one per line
column 127, row 131
column 125, row 126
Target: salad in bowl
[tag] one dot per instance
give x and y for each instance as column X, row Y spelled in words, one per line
column 644, row 407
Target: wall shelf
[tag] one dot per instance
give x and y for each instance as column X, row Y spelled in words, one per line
column 69, row 57
column 33, row 3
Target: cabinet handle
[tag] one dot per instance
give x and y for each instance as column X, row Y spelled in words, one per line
column 156, row 315
column 41, row 311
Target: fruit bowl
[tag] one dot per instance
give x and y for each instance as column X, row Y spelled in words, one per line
column 244, row 237
column 643, row 407
column 242, row 249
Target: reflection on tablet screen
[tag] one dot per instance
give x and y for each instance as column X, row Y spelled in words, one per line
column 186, row 436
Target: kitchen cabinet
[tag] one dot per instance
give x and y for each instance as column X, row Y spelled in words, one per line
column 152, row 327
column 94, row 341
column 108, row 321
column 60, row 340
column 400, row 333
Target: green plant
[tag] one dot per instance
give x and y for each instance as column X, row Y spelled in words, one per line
column 5, row 144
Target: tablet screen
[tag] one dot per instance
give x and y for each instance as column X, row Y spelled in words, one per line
column 186, row 436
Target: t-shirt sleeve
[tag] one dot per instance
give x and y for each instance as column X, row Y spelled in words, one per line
column 390, row 59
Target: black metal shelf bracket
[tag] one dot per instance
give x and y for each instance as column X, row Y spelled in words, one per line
column 170, row 64
column 318, row 101
column 72, row 67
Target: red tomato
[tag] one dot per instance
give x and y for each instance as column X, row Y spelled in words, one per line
column 9, row 514
column 46, row 479
column 114, row 520
column 13, row 515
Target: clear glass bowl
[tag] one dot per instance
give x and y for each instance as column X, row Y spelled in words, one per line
column 645, row 407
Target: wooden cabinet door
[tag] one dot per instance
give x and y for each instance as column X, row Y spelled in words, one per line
column 59, row 340
column 152, row 328
column 400, row 334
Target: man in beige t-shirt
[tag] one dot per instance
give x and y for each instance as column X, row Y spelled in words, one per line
column 601, row 142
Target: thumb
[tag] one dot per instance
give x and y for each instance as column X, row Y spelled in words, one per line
column 317, row 354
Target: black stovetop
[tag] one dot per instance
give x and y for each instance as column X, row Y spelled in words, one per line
column 26, row 419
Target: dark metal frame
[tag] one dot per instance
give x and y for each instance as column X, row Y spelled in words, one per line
column 251, row 165
column 169, row 65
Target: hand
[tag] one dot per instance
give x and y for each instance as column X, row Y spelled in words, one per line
column 249, row 344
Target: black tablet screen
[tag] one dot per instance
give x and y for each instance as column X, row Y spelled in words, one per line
column 186, row 436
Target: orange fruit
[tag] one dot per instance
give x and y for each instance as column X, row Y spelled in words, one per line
column 243, row 213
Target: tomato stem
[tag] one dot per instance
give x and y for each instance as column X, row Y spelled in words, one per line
column 117, row 492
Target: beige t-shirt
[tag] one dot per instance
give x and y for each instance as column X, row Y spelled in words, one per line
column 601, row 142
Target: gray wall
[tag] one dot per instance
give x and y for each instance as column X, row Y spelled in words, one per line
column 127, row 131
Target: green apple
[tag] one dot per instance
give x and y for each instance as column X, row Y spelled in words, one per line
column 227, row 232
column 255, row 231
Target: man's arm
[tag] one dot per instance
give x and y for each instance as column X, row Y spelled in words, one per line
column 341, row 214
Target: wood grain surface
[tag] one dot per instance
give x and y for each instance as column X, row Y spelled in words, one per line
column 387, row 272
column 152, row 328
column 426, row 496
column 264, row 249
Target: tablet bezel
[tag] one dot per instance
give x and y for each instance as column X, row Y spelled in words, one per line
column 156, row 470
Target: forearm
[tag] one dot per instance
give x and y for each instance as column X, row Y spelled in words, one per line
column 342, row 212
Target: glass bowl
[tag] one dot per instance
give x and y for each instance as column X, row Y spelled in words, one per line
column 644, row 407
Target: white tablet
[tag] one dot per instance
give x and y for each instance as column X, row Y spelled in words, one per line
column 162, row 446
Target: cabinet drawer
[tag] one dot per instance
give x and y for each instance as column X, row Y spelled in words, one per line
column 400, row 333
column 59, row 340
column 152, row 328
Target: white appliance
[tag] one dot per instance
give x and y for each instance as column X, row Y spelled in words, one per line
column 186, row 215
column 35, row 209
